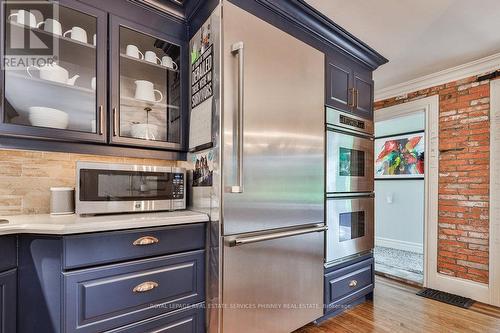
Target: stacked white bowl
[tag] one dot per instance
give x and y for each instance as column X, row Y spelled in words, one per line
column 48, row 117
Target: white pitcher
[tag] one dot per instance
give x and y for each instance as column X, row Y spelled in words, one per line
column 144, row 90
column 54, row 72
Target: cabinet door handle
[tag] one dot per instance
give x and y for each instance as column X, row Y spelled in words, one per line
column 353, row 283
column 146, row 240
column 145, row 287
column 350, row 101
column 238, row 49
column 101, row 120
column 115, row 122
column 356, row 93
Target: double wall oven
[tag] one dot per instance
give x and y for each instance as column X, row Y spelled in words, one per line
column 349, row 186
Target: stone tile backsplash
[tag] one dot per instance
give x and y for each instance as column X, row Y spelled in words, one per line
column 27, row 176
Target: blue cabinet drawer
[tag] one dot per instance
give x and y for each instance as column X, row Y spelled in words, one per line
column 189, row 320
column 8, row 300
column 346, row 284
column 103, row 298
column 107, row 247
column 8, row 252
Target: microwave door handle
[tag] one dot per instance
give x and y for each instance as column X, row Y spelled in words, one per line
column 238, row 49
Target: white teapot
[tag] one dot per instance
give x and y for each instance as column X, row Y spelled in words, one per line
column 54, row 72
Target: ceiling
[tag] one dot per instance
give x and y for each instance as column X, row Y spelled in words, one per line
column 419, row 37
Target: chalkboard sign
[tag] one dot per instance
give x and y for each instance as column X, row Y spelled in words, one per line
column 201, row 78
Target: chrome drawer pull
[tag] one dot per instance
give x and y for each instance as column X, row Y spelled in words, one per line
column 146, row 240
column 353, row 284
column 145, row 287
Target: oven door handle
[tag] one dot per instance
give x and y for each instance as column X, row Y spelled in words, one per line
column 276, row 235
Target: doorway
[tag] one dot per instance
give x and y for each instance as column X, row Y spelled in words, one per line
column 400, row 196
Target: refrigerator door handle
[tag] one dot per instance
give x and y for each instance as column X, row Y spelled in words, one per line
column 238, row 49
column 254, row 239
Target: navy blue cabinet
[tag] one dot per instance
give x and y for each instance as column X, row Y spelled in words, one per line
column 8, row 287
column 349, row 85
column 348, row 284
column 124, row 281
column 8, row 284
column 188, row 320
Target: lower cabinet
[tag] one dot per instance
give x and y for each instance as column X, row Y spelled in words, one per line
column 8, row 288
column 124, row 286
column 189, row 320
column 348, row 284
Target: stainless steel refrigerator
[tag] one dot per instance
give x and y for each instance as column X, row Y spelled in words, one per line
column 257, row 141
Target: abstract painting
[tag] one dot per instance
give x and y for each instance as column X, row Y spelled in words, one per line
column 400, row 156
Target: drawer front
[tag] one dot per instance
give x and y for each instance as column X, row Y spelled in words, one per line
column 8, row 251
column 8, row 300
column 107, row 247
column 349, row 283
column 103, row 298
column 189, row 320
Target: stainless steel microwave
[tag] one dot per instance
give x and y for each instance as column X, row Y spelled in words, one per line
column 121, row 188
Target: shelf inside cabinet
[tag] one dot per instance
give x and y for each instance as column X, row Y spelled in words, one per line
column 68, row 48
column 141, row 105
column 131, row 60
column 79, row 103
column 144, row 70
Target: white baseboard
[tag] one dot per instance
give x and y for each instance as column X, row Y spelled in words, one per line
column 399, row 244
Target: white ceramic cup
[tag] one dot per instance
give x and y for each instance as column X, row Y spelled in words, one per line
column 78, row 34
column 168, row 62
column 151, row 57
column 93, row 83
column 133, row 51
column 24, row 17
column 51, row 25
column 144, row 90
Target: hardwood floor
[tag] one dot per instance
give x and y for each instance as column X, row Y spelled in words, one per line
column 396, row 308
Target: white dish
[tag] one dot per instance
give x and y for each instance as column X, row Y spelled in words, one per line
column 48, row 117
column 145, row 131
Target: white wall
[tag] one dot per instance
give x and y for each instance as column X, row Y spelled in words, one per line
column 399, row 204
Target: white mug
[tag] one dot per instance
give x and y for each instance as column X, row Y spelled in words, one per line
column 144, row 90
column 78, row 34
column 168, row 62
column 151, row 57
column 51, row 25
column 133, row 51
column 24, row 17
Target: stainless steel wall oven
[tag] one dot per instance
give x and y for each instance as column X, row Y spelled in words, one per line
column 349, row 186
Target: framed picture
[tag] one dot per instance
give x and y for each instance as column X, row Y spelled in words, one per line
column 400, row 157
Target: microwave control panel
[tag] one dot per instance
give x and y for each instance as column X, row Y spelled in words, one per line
column 178, row 186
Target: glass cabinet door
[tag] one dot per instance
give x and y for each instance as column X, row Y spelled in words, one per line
column 146, row 86
column 54, row 70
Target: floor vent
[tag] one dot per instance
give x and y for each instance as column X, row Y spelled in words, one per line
column 441, row 296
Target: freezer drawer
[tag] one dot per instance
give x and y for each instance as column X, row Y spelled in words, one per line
column 273, row 285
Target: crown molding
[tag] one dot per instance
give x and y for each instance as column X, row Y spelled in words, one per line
column 476, row 67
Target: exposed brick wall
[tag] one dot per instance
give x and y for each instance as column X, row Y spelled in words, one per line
column 464, row 134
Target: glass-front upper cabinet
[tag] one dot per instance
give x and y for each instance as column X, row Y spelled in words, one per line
column 145, row 86
column 54, row 70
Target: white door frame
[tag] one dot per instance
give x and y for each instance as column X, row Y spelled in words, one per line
column 433, row 279
column 494, row 193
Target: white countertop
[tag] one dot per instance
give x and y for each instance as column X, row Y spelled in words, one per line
column 74, row 224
